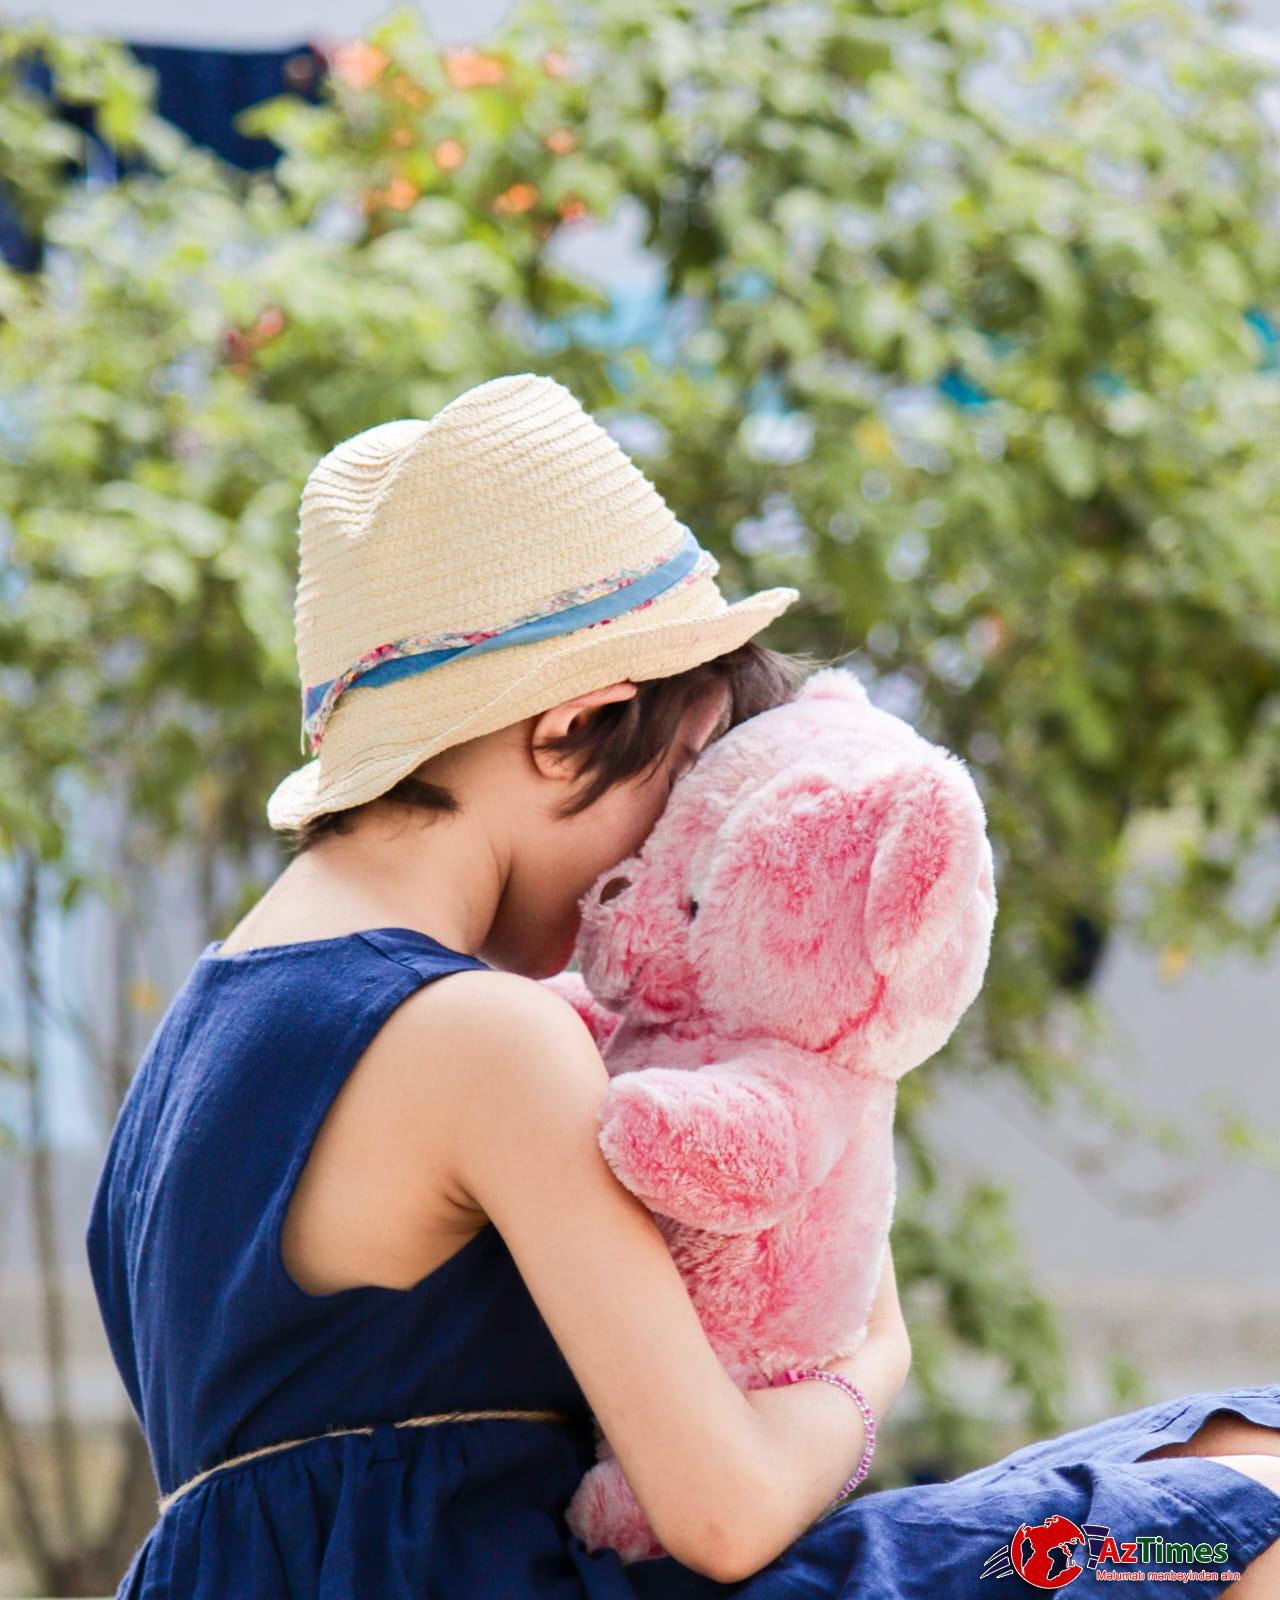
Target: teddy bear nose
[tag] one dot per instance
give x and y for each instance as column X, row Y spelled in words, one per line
column 613, row 887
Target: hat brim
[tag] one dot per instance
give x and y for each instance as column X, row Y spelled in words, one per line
column 557, row 671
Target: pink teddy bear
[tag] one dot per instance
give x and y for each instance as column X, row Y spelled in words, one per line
column 808, row 920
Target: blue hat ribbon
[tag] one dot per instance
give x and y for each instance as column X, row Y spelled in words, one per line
column 627, row 589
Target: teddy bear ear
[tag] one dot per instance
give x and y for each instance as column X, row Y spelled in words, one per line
column 927, row 860
column 819, row 889
column 783, row 935
column 834, row 683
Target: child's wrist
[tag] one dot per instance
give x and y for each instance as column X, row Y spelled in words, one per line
column 838, row 1380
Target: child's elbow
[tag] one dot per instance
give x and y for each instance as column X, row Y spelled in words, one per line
column 717, row 1554
column 736, row 1537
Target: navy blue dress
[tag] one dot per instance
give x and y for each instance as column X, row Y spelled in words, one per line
column 220, row 1352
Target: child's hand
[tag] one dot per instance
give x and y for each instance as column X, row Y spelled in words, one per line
column 887, row 1343
column 886, row 1312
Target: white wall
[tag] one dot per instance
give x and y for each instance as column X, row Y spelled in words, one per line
column 241, row 24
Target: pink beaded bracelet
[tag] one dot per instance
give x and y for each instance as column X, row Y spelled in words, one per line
column 794, row 1374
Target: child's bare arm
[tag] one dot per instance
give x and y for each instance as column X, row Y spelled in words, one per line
column 719, row 1475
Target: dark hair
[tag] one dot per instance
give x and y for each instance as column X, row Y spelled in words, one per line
column 620, row 739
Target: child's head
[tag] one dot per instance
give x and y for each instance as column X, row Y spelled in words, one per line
column 459, row 575
column 561, row 795
column 503, row 631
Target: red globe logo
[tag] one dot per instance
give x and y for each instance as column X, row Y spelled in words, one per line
column 1042, row 1554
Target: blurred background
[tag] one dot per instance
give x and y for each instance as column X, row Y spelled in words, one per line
column 961, row 317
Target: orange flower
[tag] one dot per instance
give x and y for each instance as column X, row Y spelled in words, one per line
column 237, row 351
column 413, row 94
column 572, row 209
column 270, row 323
column 519, row 197
column 556, row 64
column 560, row 142
column 358, row 63
column 468, row 68
column 997, row 630
column 401, row 193
column 402, row 135
column 1174, row 959
column 449, row 153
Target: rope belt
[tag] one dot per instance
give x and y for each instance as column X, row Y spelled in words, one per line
column 336, row 1433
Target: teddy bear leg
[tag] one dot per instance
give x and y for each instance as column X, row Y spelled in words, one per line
column 604, row 1511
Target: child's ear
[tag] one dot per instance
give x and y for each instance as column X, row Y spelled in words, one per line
column 558, row 720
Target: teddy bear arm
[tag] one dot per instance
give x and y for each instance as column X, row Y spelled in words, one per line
column 725, row 1148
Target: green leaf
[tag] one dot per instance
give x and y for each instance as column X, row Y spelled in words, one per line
column 1070, row 458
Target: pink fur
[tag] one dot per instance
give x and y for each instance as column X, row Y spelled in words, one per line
column 845, row 902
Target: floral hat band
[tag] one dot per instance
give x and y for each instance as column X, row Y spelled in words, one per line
column 584, row 605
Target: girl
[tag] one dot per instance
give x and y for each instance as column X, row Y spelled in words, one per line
column 365, row 1272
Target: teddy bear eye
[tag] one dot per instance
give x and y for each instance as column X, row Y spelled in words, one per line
column 693, row 907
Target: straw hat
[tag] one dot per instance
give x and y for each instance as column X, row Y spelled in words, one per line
column 459, row 574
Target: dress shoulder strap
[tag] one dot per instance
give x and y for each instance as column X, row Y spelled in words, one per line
column 421, row 952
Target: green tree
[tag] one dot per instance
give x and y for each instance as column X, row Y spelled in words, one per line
column 964, row 322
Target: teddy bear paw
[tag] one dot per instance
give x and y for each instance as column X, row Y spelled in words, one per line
column 604, row 1511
